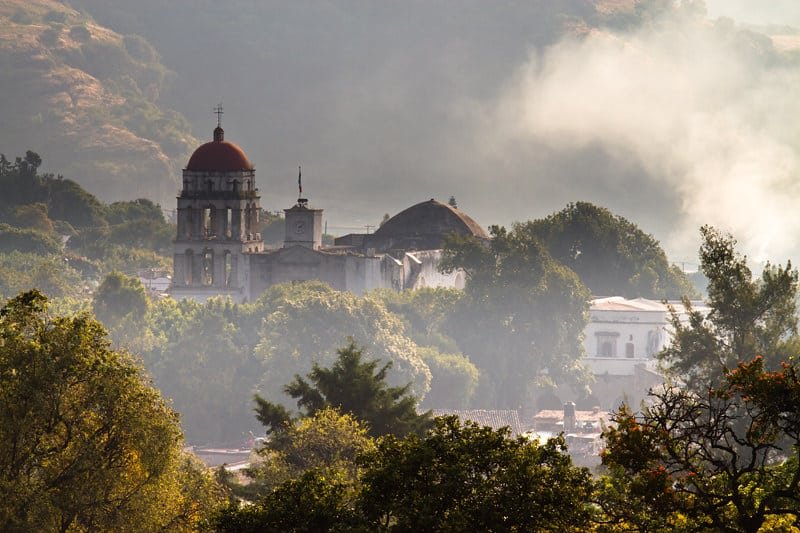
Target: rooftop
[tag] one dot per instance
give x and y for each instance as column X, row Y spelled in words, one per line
column 493, row 418
column 430, row 218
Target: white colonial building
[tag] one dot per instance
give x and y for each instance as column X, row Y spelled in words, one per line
column 621, row 342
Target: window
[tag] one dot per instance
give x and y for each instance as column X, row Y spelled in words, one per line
column 654, row 344
column 209, row 217
column 607, row 343
column 608, row 348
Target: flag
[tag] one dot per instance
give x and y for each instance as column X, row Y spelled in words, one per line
column 300, row 180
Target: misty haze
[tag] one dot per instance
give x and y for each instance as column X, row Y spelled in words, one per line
column 399, row 266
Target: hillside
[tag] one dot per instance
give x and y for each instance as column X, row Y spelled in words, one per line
column 88, row 97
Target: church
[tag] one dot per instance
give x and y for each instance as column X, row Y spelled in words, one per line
column 219, row 251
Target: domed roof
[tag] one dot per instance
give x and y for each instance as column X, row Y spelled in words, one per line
column 430, row 218
column 219, row 155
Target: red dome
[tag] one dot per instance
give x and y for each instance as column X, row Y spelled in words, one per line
column 219, row 156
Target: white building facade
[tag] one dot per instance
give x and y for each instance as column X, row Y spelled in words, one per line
column 621, row 344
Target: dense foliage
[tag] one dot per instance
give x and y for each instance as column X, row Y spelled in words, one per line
column 211, row 358
column 465, row 477
column 118, row 297
column 717, row 450
column 302, row 321
column 747, row 317
column 522, row 313
column 425, row 314
column 85, row 443
column 453, row 478
column 40, row 212
column 611, row 255
column 724, row 460
column 328, row 442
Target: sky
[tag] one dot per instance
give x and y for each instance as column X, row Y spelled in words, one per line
column 509, row 107
column 757, row 11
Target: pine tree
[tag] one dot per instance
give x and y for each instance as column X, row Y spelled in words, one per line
column 353, row 386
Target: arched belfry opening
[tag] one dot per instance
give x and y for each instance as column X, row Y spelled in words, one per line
column 208, row 267
column 227, row 268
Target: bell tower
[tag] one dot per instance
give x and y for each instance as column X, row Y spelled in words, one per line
column 218, row 220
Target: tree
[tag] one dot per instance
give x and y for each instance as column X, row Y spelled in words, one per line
column 328, row 442
column 52, row 275
column 119, row 296
column 129, row 211
column 272, row 227
column 425, row 313
column 470, row 478
column 522, row 315
column 726, row 459
column 316, row 501
column 747, row 316
column 302, row 321
column 27, row 241
column 64, row 199
column 454, row 478
column 328, row 439
column 454, row 380
column 33, row 216
column 138, row 223
column 354, row 386
column 85, row 443
column 611, row 255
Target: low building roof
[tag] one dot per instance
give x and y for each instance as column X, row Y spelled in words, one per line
column 493, row 418
column 553, row 419
column 618, row 303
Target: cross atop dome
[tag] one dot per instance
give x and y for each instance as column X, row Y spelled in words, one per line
column 219, row 155
column 219, row 133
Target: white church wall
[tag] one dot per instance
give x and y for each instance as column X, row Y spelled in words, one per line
column 422, row 270
column 362, row 273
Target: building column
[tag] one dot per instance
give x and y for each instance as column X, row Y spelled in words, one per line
column 234, row 270
column 236, row 224
column 219, row 269
column 197, row 268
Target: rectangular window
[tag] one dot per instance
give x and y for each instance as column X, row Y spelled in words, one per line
column 607, row 343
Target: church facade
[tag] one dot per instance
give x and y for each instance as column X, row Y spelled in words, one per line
column 219, row 251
